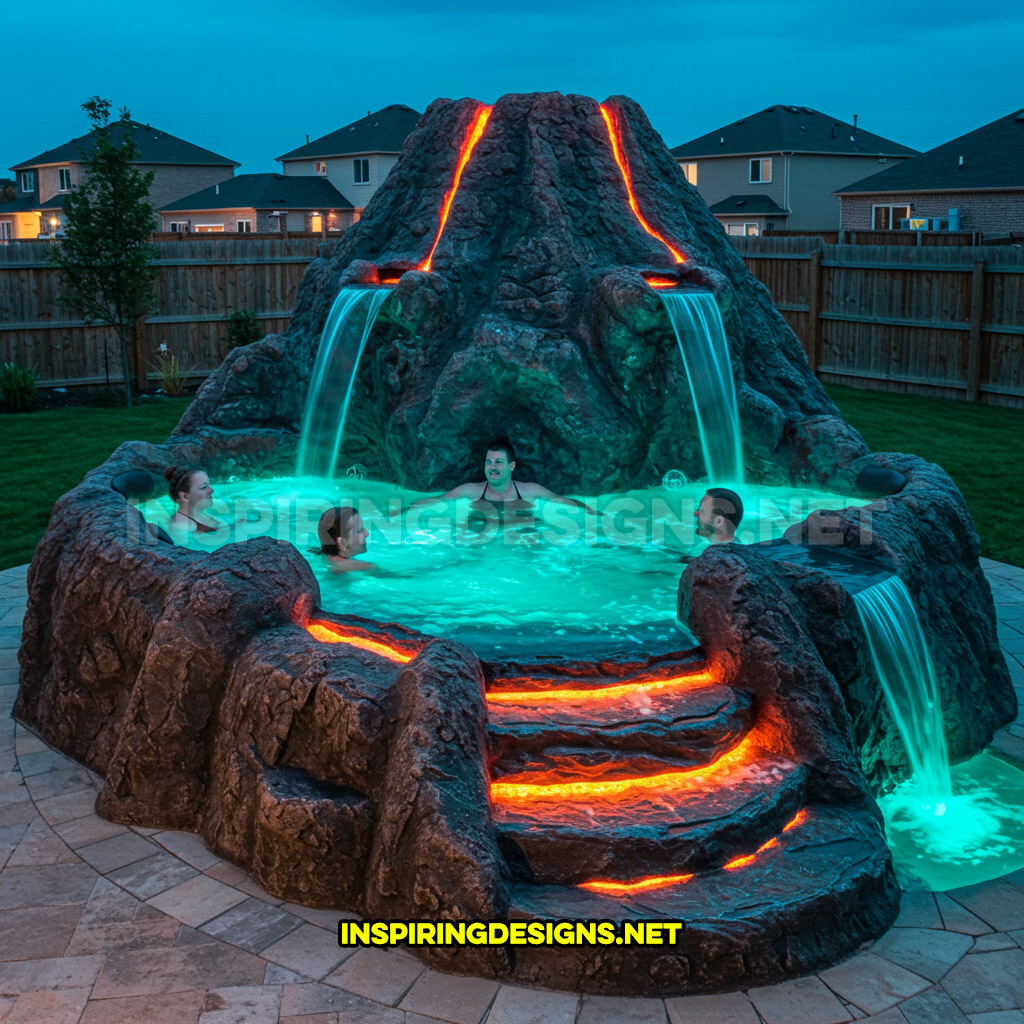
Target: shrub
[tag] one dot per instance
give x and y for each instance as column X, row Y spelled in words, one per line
column 18, row 385
column 173, row 375
column 245, row 327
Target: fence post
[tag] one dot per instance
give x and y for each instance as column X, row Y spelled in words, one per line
column 141, row 360
column 814, row 311
column 974, row 337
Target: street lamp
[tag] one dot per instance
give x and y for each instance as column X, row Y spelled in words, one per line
column 54, row 224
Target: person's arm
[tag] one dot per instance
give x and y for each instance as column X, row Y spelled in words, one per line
column 532, row 490
column 462, row 491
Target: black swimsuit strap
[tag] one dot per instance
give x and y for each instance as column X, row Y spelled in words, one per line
column 483, row 493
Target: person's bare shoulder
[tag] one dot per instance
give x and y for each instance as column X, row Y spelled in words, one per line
column 339, row 564
column 531, row 489
column 467, row 490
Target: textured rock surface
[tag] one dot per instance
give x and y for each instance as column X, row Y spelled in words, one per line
column 535, row 320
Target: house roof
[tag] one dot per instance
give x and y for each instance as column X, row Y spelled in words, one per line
column 26, row 204
column 993, row 157
column 155, row 147
column 382, row 132
column 265, row 191
column 749, row 204
column 783, row 129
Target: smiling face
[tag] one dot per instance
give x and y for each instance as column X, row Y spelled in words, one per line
column 498, row 469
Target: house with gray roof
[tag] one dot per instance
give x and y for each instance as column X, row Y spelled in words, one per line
column 357, row 158
column 778, row 169
column 973, row 183
column 261, row 202
column 44, row 181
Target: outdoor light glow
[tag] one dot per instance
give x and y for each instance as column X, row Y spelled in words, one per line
column 466, row 152
column 600, row 693
column 329, row 633
column 660, row 282
column 615, row 139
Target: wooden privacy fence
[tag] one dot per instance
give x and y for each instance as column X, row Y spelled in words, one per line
column 945, row 321
column 200, row 281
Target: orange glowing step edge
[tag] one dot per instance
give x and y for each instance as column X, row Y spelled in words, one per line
column 468, row 145
column 329, row 633
column 607, row 887
column 615, row 138
column 598, row 694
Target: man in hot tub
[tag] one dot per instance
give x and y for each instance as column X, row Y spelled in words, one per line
column 342, row 537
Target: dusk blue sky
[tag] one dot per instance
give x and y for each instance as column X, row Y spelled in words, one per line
column 250, row 81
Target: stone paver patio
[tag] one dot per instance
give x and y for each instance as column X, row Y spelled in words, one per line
column 104, row 924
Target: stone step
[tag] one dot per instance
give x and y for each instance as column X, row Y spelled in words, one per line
column 691, row 723
column 800, row 905
column 566, row 828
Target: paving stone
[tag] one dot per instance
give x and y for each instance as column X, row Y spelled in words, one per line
column 802, row 1001
column 932, row 1007
column 998, row 903
column 146, row 878
column 192, row 937
column 331, row 1018
column 68, row 806
column 21, row 813
column 51, row 973
column 309, row 950
column 380, row 974
column 56, row 783
column 872, row 982
column 253, row 1004
column 141, row 931
column 1018, row 937
column 188, row 847
column 62, row 1007
column 252, row 925
column 956, row 918
column 513, row 1005
column 252, row 888
column 997, row 940
column 229, row 874
column 302, row 1001
column 729, row 1008
column 176, row 969
column 322, row 918
column 925, row 951
column 109, row 902
column 41, row 845
column 109, row 854
column 998, row 1017
column 918, row 910
column 26, row 742
column 982, row 982
column 172, row 1008
column 197, row 901
column 620, row 1010
column 278, row 975
column 34, row 933
column 46, row 885
column 456, row 999
column 892, row 1016
column 86, row 831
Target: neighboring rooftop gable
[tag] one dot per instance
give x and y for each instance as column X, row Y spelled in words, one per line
column 993, row 157
column 265, row 192
column 155, row 147
column 382, row 132
column 781, row 129
column 748, row 204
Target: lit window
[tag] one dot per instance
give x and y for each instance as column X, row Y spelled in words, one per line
column 887, row 218
column 321, row 167
column 64, row 174
column 751, row 230
column 178, row 225
column 690, row 170
column 28, row 181
column 361, row 170
column 244, row 227
column 761, row 170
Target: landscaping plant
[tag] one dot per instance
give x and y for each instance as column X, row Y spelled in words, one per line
column 245, row 327
column 18, row 385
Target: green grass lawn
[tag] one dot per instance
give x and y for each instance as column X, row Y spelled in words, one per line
column 980, row 446
column 45, row 454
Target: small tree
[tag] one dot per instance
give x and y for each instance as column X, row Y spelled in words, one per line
column 8, row 190
column 106, row 260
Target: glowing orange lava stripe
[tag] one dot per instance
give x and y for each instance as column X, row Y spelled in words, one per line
column 665, row 783
column 610, row 888
column 613, row 136
column 466, row 152
column 597, row 693
column 661, row 282
column 330, row 634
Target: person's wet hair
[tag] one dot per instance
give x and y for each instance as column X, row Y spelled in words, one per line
column 179, row 478
column 726, row 504
column 334, row 523
column 502, row 444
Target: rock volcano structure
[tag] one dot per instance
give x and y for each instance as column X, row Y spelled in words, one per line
column 350, row 764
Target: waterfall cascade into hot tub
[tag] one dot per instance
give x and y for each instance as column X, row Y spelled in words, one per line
column 700, row 333
column 342, row 342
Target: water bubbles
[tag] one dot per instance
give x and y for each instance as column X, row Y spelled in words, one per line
column 357, row 471
column 674, row 480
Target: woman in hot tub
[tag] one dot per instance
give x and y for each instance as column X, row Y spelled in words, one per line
column 190, row 490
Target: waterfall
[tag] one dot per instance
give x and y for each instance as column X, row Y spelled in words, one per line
column 697, row 323
column 342, row 342
column 907, row 675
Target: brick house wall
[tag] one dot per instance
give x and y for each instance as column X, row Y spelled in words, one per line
column 173, row 181
column 994, row 213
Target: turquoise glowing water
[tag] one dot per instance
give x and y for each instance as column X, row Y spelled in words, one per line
column 346, row 329
column 569, row 580
column 978, row 835
column 700, row 333
column 907, row 674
